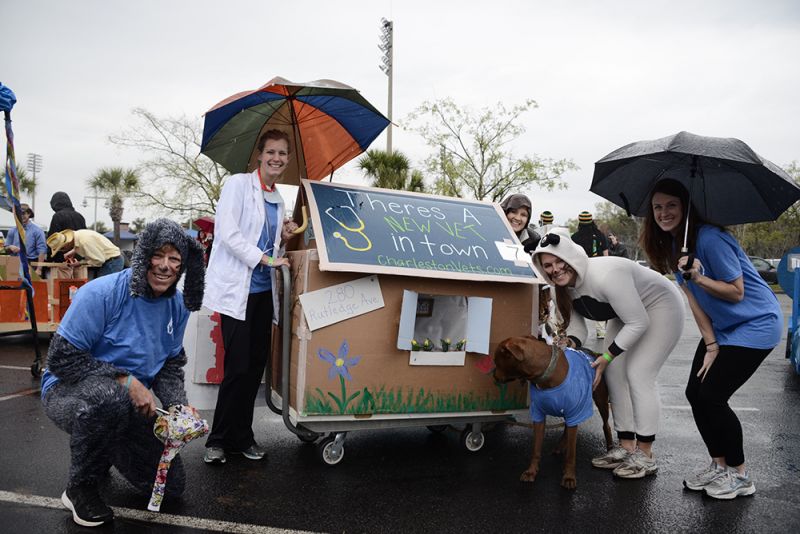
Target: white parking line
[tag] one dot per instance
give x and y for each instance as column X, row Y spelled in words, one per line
column 154, row 517
column 15, row 367
column 734, row 408
column 23, row 393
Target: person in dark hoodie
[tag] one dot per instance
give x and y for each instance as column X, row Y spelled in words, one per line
column 64, row 218
column 119, row 346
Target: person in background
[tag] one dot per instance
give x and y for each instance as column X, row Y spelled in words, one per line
column 645, row 318
column 35, row 243
column 517, row 208
column 545, row 222
column 119, row 346
column 594, row 243
column 99, row 252
column 64, row 218
column 249, row 230
column 739, row 318
column 616, row 247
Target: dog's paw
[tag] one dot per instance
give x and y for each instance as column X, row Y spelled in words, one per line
column 569, row 482
column 529, row 475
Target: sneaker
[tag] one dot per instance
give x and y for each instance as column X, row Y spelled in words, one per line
column 611, row 459
column 88, row 509
column 253, row 452
column 214, row 455
column 699, row 481
column 637, row 465
column 730, row 485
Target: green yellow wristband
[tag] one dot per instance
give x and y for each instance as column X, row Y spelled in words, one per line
column 607, row 357
column 128, row 381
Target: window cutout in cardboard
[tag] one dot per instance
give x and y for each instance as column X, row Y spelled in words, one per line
column 443, row 318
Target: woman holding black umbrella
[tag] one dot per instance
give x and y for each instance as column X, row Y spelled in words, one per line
column 739, row 318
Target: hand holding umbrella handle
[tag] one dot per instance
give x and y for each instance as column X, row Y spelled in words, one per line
column 688, row 265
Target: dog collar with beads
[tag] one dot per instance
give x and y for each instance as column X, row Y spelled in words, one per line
column 550, row 368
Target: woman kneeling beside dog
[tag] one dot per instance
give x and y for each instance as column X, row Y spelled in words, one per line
column 645, row 315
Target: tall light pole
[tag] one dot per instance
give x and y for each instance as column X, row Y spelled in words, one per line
column 386, row 46
column 34, row 166
column 86, row 204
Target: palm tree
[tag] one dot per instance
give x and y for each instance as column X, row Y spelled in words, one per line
column 119, row 183
column 390, row 171
column 26, row 185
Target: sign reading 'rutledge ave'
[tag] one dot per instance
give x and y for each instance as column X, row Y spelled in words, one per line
column 372, row 230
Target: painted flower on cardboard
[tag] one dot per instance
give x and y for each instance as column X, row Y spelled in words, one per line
column 341, row 363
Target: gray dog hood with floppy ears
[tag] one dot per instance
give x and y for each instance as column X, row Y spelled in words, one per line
column 166, row 232
column 566, row 249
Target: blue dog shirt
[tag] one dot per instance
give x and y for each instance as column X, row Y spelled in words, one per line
column 572, row 399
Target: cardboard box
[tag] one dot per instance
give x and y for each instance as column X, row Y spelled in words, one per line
column 9, row 267
column 354, row 367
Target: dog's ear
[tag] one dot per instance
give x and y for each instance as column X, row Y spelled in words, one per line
column 517, row 347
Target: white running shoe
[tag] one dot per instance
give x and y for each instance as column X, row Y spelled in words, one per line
column 637, row 465
column 730, row 484
column 611, row 459
column 699, row 481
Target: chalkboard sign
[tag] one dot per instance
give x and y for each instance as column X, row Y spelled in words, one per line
column 370, row 230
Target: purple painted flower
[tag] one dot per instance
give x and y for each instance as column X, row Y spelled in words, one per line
column 340, row 364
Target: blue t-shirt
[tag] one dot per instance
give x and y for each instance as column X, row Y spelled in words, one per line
column 754, row 322
column 136, row 334
column 261, row 280
column 35, row 241
column 572, row 399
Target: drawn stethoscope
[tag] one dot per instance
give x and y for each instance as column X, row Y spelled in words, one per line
column 359, row 229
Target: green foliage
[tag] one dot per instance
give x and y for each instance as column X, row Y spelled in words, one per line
column 177, row 178
column 391, row 171
column 473, row 155
column 411, row 400
column 100, row 227
column 27, row 184
column 137, row 225
column 773, row 239
column 119, row 183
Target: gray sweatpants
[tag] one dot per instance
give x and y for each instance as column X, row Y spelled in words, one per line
column 105, row 430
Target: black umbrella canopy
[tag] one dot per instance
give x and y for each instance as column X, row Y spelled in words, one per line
column 728, row 182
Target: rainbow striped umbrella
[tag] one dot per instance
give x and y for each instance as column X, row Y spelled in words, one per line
column 329, row 123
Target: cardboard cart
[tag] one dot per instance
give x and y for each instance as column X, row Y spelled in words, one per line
column 393, row 304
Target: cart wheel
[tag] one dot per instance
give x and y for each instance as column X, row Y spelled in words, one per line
column 473, row 441
column 330, row 452
column 437, row 429
column 36, row 370
column 308, row 438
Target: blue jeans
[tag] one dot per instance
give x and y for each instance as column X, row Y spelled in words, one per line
column 114, row 265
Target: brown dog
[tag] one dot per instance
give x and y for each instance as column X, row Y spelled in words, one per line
column 534, row 360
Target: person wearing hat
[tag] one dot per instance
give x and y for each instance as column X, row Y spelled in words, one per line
column 98, row 251
column 518, row 211
column 594, row 243
column 119, row 346
column 645, row 315
column 35, row 246
column 545, row 222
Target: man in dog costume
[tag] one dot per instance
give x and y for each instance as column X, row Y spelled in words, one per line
column 119, row 346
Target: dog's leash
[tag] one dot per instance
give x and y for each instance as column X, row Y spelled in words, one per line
column 550, row 368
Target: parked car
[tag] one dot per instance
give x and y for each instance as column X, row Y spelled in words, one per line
column 767, row 271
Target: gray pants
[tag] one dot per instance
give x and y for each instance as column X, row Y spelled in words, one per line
column 105, row 430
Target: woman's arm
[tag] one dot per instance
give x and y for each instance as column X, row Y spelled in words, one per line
column 706, row 330
column 732, row 291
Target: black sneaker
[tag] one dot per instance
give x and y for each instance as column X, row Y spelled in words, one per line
column 88, row 509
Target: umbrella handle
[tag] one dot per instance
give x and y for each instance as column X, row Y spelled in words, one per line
column 302, row 228
column 689, row 261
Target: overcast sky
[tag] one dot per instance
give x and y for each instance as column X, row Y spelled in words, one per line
column 603, row 73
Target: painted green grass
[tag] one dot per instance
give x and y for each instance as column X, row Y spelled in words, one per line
column 413, row 400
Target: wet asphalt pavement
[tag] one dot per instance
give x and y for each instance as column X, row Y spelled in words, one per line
column 413, row 480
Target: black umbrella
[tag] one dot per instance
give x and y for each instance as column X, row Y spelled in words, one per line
column 728, row 182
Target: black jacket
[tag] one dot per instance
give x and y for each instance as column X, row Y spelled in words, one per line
column 64, row 218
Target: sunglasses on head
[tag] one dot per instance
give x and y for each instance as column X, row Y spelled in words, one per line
column 550, row 239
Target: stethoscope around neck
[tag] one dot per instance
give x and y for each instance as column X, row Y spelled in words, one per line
column 357, row 230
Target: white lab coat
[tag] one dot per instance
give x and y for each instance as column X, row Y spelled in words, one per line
column 239, row 219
